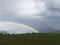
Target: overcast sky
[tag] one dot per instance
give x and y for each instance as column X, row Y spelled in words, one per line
column 42, row 15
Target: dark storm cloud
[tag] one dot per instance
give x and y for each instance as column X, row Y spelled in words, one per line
column 8, row 12
column 48, row 14
column 52, row 14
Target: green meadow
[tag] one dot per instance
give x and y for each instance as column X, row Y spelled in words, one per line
column 30, row 39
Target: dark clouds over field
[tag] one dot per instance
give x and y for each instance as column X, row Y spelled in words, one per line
column 42, row 15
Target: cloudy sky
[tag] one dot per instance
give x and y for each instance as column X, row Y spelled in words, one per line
column 41, row 15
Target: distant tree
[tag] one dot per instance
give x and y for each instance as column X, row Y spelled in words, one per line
column 3, row 32
column 0, row 33
column 33, row 32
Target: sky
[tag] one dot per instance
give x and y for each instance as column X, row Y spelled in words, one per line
column 15, row 28
column 41, row 15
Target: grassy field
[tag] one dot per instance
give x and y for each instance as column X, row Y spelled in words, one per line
column 31, row 39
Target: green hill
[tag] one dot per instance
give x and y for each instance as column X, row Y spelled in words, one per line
column 30, row 39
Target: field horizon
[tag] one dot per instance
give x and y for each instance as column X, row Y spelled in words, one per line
column 30, row 39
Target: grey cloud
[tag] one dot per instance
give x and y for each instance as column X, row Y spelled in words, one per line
column 52, row 14
column 8, row 11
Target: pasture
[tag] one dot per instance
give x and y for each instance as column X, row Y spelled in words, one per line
column 30, row 39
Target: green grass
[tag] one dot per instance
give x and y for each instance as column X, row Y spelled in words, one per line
column 31, row 39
